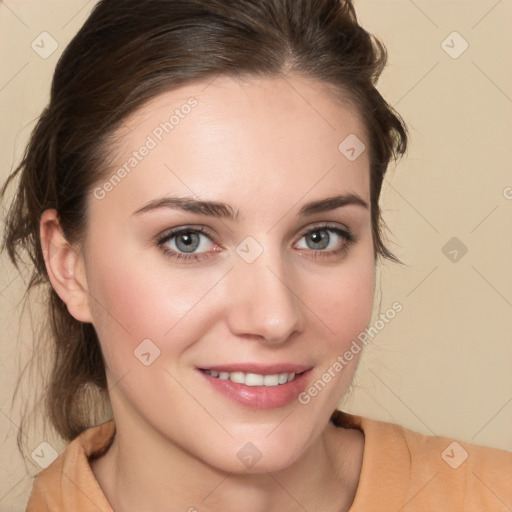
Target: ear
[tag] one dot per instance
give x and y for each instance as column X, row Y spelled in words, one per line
column 65, row 267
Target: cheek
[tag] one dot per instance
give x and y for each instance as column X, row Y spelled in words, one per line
column 343, row 300
column 133, row 300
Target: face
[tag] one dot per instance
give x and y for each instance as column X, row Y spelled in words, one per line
column 277, row 281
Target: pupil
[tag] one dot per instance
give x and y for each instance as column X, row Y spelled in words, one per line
column 186, row 241
column 320, row 237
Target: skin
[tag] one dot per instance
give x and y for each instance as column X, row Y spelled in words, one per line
column 266, row 147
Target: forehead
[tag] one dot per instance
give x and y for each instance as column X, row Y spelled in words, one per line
column 276, row 139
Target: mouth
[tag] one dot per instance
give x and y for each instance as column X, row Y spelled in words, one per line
column 254, row 379
column 258, row 386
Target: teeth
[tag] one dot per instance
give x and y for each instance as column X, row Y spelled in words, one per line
column 253, row 379
column 270, row 380
column 237, row 377
column 283, row 378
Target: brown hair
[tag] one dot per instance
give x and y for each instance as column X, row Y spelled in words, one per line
column 128, row 52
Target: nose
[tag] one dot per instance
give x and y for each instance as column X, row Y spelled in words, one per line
column 265, row 301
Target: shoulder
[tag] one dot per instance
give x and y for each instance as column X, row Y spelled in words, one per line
column 404, row 466
column 69, row 478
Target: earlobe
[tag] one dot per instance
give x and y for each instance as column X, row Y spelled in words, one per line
column 65, row 267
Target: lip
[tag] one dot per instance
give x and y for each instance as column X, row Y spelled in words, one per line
column 259, row 397
column 258, row 368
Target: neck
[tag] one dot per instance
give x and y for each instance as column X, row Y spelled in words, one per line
column 152, row 474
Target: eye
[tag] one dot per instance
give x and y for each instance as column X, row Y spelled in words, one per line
column 191, row 243
column 321, row 238
column 182, row 243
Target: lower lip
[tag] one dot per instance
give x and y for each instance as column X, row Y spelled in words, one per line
column 260, row 397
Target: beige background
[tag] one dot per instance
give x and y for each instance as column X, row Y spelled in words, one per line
column 443, row 365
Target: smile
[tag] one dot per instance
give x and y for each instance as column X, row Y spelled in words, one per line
column 253, row 379
column 275, row 386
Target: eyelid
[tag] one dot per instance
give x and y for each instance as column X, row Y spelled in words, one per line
column 324, row 225
column 209, row 233
column 165, row 235
column 342, row 231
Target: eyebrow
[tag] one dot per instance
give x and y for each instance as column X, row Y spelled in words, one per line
column 225, row 211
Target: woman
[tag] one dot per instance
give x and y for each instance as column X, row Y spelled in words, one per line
column 201, row 197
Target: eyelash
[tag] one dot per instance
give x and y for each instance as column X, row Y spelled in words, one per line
column 347, row 235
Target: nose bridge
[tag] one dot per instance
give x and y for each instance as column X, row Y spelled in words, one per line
column 264, row 300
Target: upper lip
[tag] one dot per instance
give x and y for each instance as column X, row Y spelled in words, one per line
column 260, row 369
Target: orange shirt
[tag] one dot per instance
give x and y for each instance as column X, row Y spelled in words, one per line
column 402, row 471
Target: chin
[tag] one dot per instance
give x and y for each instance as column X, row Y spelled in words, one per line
column 253, row 457
column 257, row 466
